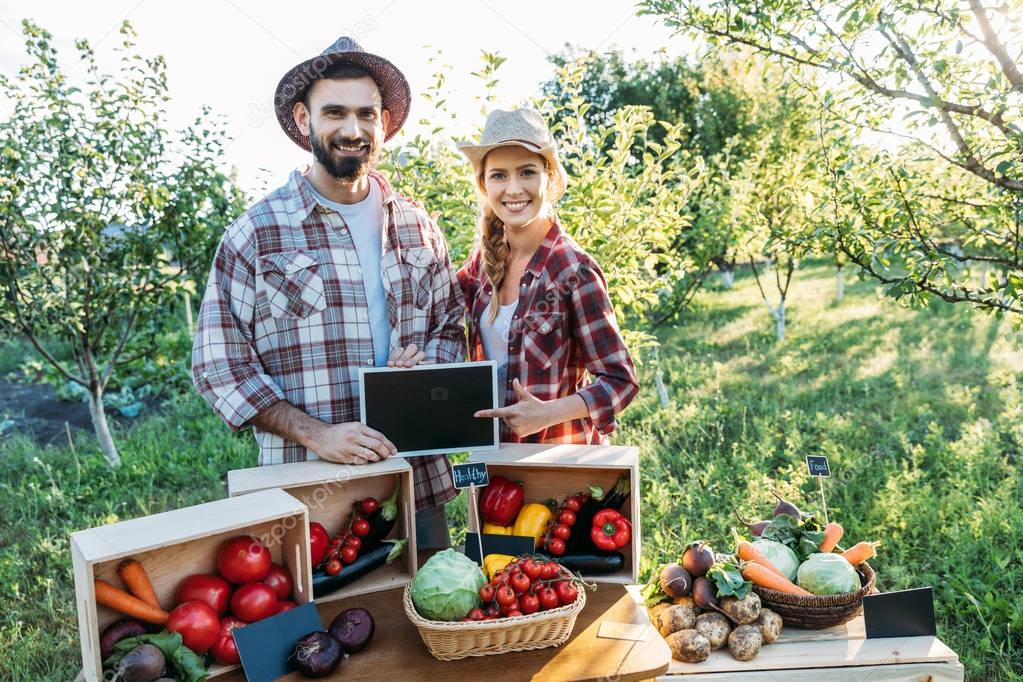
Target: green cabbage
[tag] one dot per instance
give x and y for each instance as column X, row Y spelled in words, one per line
column 447, row 587
column 828, row 574
column 781, row 556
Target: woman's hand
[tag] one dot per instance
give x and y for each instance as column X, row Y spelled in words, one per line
column 524, row 418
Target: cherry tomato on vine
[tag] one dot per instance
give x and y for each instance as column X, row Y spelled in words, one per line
column 360, row 527
column 349, row 554
column 369, row 505
column 556, row 546
column 333, row 567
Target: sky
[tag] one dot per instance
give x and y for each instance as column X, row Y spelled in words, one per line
column 230, row 54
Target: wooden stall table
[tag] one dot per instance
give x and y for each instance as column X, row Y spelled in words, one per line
column 398, row 653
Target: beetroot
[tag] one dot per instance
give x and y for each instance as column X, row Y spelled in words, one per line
column 318, row 654
column 675, row 581
column 697, row 558
column 115, row 632
column 353, row 628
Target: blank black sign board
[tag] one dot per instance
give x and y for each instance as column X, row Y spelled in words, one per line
column 470, row 474
column 265, row 646
column 908, row 613
column 497, row 544
column 428, row 409
column 818, row 466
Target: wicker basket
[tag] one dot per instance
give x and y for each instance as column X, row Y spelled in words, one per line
column 817, row 613
column 451, row 641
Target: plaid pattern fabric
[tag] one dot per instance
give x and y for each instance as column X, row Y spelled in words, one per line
column 285, row 316
column 563, row 328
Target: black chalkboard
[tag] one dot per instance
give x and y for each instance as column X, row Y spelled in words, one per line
column 266, row 645
column 907, row 613
column 497, row 544
column 469, row 474
column 818, row 466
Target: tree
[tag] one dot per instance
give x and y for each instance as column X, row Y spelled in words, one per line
column 103, row 215
column 951, row 75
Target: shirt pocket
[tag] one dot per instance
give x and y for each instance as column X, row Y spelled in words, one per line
column 418, row 266
column 294, row 288
column 543, row 339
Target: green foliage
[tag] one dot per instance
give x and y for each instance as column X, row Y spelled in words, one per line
column 940, row 217
column 104, row 215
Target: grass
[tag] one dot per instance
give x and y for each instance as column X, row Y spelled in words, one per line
column 918, row 411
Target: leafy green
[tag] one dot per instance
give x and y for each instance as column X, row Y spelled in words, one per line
column 803, row 536
column 185, row 663
column 447, row 586
column 652, row 592
column 729, row 581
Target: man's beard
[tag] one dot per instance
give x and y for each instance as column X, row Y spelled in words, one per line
column 345, row 169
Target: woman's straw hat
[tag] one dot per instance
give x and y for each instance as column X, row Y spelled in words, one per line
column 522, row 127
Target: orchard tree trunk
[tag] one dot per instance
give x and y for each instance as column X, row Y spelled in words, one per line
column 840, row 290
column 728, row 278
column 779, row 320
column 100, row 426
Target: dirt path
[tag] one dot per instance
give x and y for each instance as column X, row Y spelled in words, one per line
column 36, row 411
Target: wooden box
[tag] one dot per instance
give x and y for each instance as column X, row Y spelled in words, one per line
column 555, row 471
column 175, row 544
column 328, row 490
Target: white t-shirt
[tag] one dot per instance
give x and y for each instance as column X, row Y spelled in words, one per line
column 495, row 342
column 365, row 221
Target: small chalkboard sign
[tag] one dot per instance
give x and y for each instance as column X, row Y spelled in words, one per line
column 907, row 613
column 818, row 466
column 469, row 474
column 265, row 646
column 497, row 544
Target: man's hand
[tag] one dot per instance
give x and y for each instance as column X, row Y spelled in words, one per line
column 409, row 356
column 352, row 443
column 524, row 418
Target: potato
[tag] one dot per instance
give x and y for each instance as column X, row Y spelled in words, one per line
column 688, row 601
column 655, row 611
column 689, row 646
column 715, row 627
column 743, row 611
column 769, row 623
column 744, row 643
column 675, row 618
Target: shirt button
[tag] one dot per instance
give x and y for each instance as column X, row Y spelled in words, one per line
column 545, row 329
column 523, row 285
column 369, row 362
column 344, row 230
column 289, row 266
column 204, row 375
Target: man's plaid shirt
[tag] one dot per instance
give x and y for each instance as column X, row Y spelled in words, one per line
column 285, row 316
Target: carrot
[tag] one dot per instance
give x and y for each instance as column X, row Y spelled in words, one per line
column 763, row 577
column 860, row 552
column 747, row 552
column 134, row 576
column 122, row 602
column 833, row 533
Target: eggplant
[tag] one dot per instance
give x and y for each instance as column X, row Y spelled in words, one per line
column 580, row 541
column 591, row 563
column 382, row 521
column 618, row 495
column 366, row 562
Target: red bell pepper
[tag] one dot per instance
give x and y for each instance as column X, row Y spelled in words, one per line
column 610, row 530
column 501, row 501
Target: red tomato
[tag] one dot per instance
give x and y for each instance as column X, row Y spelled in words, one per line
column 505, row 595
column 532, row 568
column 492, row 611
column 284, row 605
column 487, row 593
column 511, row 613
column 476, row 614
column 566, row 591
column 349, row 554
column 556, row 547
column 550, row 570
column 211, row 590
column 360, row 527
column 197, row 624
column 318, row 541
column 506, row 610
column 244, row 560
column 548, row 598
column 575, row 503
column 224, row 649
column 333, row 567
column 279, row 579
column 520, row 583
column 353, row 541
column 529, row 603
column 567, row 517
column 254, row 601
column 562, row 532
column 369, row 505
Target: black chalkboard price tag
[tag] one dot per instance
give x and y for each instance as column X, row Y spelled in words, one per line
column 470, row 474
column 818, row 466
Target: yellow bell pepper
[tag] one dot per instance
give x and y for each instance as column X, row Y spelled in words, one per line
column 532, row 522
column 493, row 563
column 494, row 529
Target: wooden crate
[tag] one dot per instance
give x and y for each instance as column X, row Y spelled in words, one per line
column 554, row 471
column 175, row 544
column 328, row 490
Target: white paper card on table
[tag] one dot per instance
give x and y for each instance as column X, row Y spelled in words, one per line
column 629, row 631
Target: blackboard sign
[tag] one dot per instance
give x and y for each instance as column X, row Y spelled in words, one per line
column 496, row 544
column 818, row 466
column 266, row 645
column 469, row 474
column 907, row 613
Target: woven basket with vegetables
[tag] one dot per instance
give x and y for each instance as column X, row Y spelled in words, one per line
column 460, row 614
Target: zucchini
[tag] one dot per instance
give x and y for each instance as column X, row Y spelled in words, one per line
column 384, row 553
column 591, row 563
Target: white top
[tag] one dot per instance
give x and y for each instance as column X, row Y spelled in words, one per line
column 495, row 343
column 365, row 221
